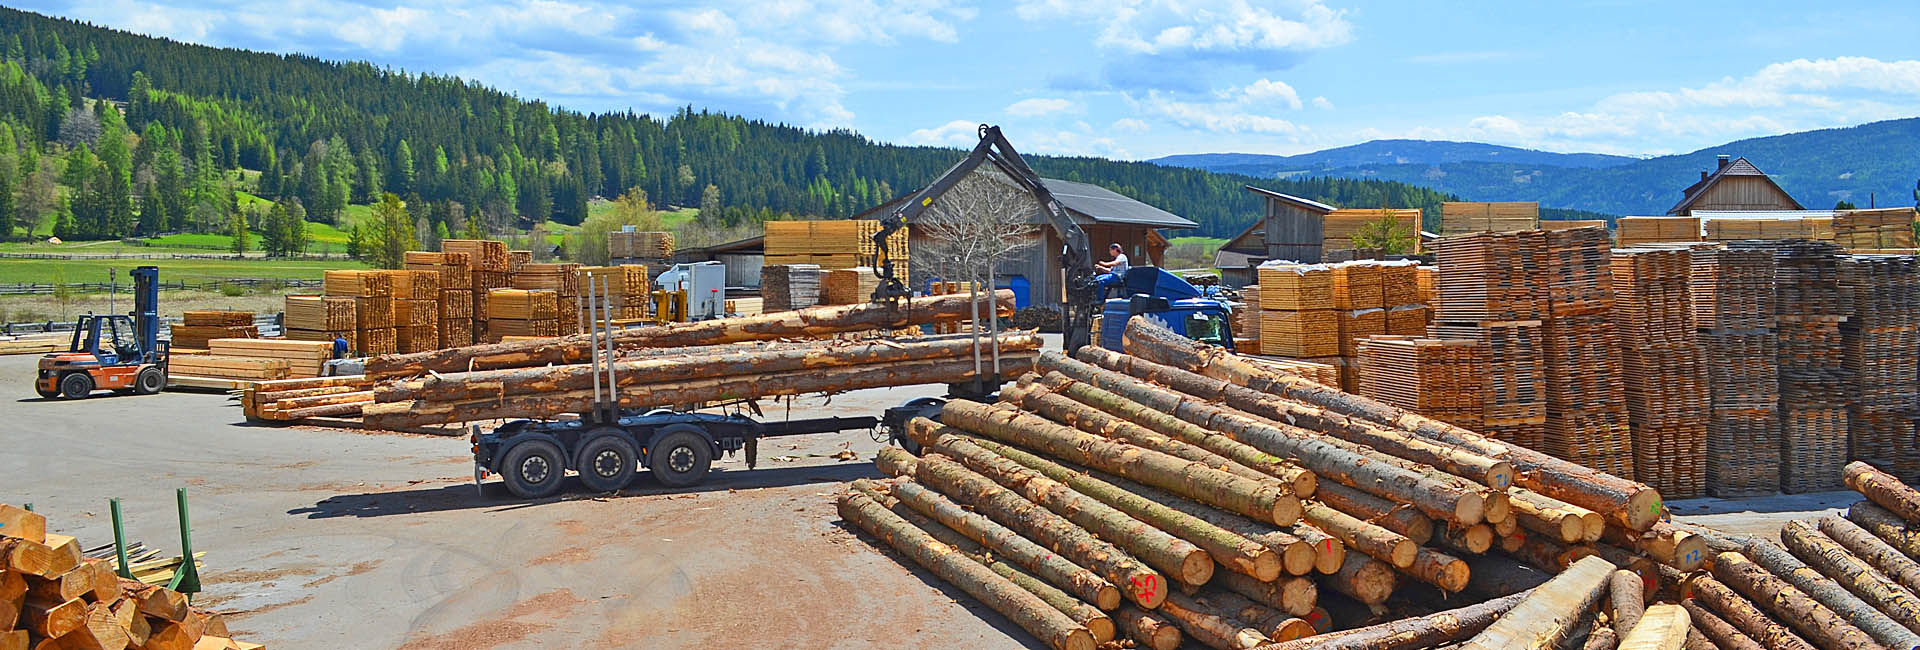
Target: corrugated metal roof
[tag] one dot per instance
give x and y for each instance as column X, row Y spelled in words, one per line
column 1108, row 206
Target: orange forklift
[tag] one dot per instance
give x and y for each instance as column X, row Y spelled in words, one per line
column 114, row 352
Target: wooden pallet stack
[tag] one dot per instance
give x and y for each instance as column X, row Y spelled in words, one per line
column 1809, row 308
column 624, row 292
column 1882, row 358
column 1444, row 379
column 1732, row 292
column 1297, row 316
column 1635, row 231
column 1460, row 217
column 1664, row 373
column 522, row 312
column 1874, row 229
column 848, row 286
column 198, row 326
column 54, row 596
column 785, row 287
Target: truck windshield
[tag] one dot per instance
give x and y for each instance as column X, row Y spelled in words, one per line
column 1207, row 328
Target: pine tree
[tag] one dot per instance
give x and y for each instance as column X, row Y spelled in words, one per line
column 9, row 214
column 710, row 208
column 403, row 168
column 237, row 231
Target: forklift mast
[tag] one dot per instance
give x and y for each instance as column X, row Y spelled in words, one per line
column 1083, row 293
column 146, row 308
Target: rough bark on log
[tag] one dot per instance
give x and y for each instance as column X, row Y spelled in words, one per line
column 1329, row 553
column 1744, row 614
column 1566, row 526
column 1833, row 561
column 1882, row 488
column 735, row 360
column 1632, row 504
column 1718, row 630
column 1454, row 503
column 1171, row 555
column 1232, row 551
column 1410, row 633
column 1298, row 553
column 1294, row 596
column 1398, row 518
column 1268, row 500
column 933, row 371
column 1548, row 555
column 1641, row 566
column 1664, row 542
column 1363, row 579
column 1496, row 576
column 1887, row 526
column 765, row 327
column 322, row 400
column 1304, row 482
column 1148, row 629
column 1018, row 605
column 1096, row 622
column 1627, row 597
column 1548, row 612
column 1083, row 583
column 1873, row 550
column 348, row 408
column 1208, row 626
column 1800, row 611
column 1138, row 582
column 1664, row 627
column 1779, row 562
column 1384, row 545
column 1270, row 622
column 1601, row 638
column 1433, row 567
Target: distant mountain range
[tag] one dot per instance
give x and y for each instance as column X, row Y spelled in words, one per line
column 1876, row 162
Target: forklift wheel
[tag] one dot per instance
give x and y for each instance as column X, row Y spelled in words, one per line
column 680, row 457
column 533, row 469
column 76, row 385
column 149, row 381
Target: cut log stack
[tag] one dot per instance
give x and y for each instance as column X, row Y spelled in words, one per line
column 198, row 326
column 786, row 287
column 522, row 312
column 1665, row 380
column 1882, row 357
column 53, row 597
column 1809, row 309
column 1732, row 292
column 1438, row 378
column 1220, row 497
column 625, row 290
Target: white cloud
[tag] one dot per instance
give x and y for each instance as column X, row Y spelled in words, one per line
column 958, row 133
column 1172, row 27
column 1323, row 103
column 1130, row 125
column 1267, row 90
column 1037, row 106
column 1230, row 116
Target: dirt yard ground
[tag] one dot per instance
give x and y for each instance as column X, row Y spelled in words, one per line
column 321, row 538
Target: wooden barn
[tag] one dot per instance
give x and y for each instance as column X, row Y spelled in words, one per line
column 1734, row 185
column 1035, row 274
column 1292, row 228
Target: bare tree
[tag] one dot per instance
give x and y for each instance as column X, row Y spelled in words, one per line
column 978, row 223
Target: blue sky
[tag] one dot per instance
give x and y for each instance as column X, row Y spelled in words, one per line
column 1136, row 78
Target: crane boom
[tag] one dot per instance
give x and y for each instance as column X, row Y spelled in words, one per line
column 1083, row 292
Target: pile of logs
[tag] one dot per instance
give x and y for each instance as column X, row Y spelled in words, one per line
column 1180, row 492
column 51, row 596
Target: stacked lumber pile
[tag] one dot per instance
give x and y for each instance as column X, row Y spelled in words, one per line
column 1440, row 378
column 1809, row 308
column 1338, row 226
column 1874, row 229
column 1729, row 230
column 1513, row 381
column 455, row 325
column 785, row 287
column 624, row 292
column 1732, row 292
column 1460, row 217
column 561, row 279
column 849, row 286
column 303, row 358
column 1667, row 395
column 1246, row 320
column 51, row 596
column 1159, row 497
column 198, row 326
column 300, row 399
column 640, row 245
column 746, row 306
column 1587, row 418
column 1297, row 316
column 322, row 318
column 834, row 244
column 487, row 263
column 372, row 294
column 1358, row 324
column 1635, row 231
column 1882, row 358
column 211, row 366
column 416, row 310
column 522, row 312
column 1400, row 293
column 1564, row 224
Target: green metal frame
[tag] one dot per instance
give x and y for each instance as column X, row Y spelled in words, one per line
column 186, row 579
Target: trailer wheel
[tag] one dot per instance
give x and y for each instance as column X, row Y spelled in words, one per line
column 533, row 469
column 607, row 462
column 681, row 457
column 149, row 381
column 76, row 385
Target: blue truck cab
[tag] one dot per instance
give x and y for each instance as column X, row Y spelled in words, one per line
column 1190, row 311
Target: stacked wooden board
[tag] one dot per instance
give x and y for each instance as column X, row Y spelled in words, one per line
column 1634, row 231
column 181, row 368
column 1459, row 217
column 1297, row 318
column 1663, row 371
column 1246, row 320
column 488, row 262
column 198, row 326
column 372, row 294
column 322, row 318
column 455, row 326
column 831, row 244
column 563, row 281
column 1564, row 224
column 640, row 245
column 623, row 294
column 786, row 287
column 1809, row 308
column 1514, row 381
column 1874, row 229
column 303, row 358
column 522, row 312
column 849, row 286
column 1587, row 418
column 1816, row 228
column 416, row 310
column 1732, row 292
column 1444, row 379
column 54, row 597
column 1882, row 360
column 1337, row 227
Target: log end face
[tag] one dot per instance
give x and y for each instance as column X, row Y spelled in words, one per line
column 1404, row 553
column 1197, row 568
column 1075, row 639
column 1265, row 565
column 1298, row 559
column 1287, row 510
column 1102, row 629
column 1165, row 637
column 1644, row 509
column 1500, row 476
column 1470, row 509
column 1572, row 529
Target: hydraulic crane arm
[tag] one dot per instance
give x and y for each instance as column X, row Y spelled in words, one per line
column 1083, row 294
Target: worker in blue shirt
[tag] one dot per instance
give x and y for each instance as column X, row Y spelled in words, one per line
column 340, row 346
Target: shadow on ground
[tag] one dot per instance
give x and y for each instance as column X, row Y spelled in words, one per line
column 1808, row 502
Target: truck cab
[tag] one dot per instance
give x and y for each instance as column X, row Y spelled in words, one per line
column 1198, row 314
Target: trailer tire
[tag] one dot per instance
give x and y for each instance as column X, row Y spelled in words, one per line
column 76, row 385
column 680, row 457
column 607, row 461
column 534, row 469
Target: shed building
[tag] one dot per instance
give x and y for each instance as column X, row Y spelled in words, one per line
column 1734, row 185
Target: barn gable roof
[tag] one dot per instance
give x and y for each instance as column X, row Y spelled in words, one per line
column 1738, row 167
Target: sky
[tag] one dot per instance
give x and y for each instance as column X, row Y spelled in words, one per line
column 1135, row 79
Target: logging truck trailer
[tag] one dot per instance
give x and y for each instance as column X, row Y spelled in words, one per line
column 532, row 457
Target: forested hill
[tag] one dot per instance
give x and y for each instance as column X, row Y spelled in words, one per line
column 332, row 133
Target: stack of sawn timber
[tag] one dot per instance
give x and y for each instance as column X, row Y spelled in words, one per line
column 563, row 280
column 51, row 596
column 848, row 286
column 198, row 326
column 785, row 287
column 621, row 293
column 1665, row 380
column 456, row 313
column 1160, row 495
column 1809, row 308
column 1732, row 292
column 416, row 310
column 522, row 312
column 487, row 265
column 1882, row 360
column 372, row 294
column 300, row 399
